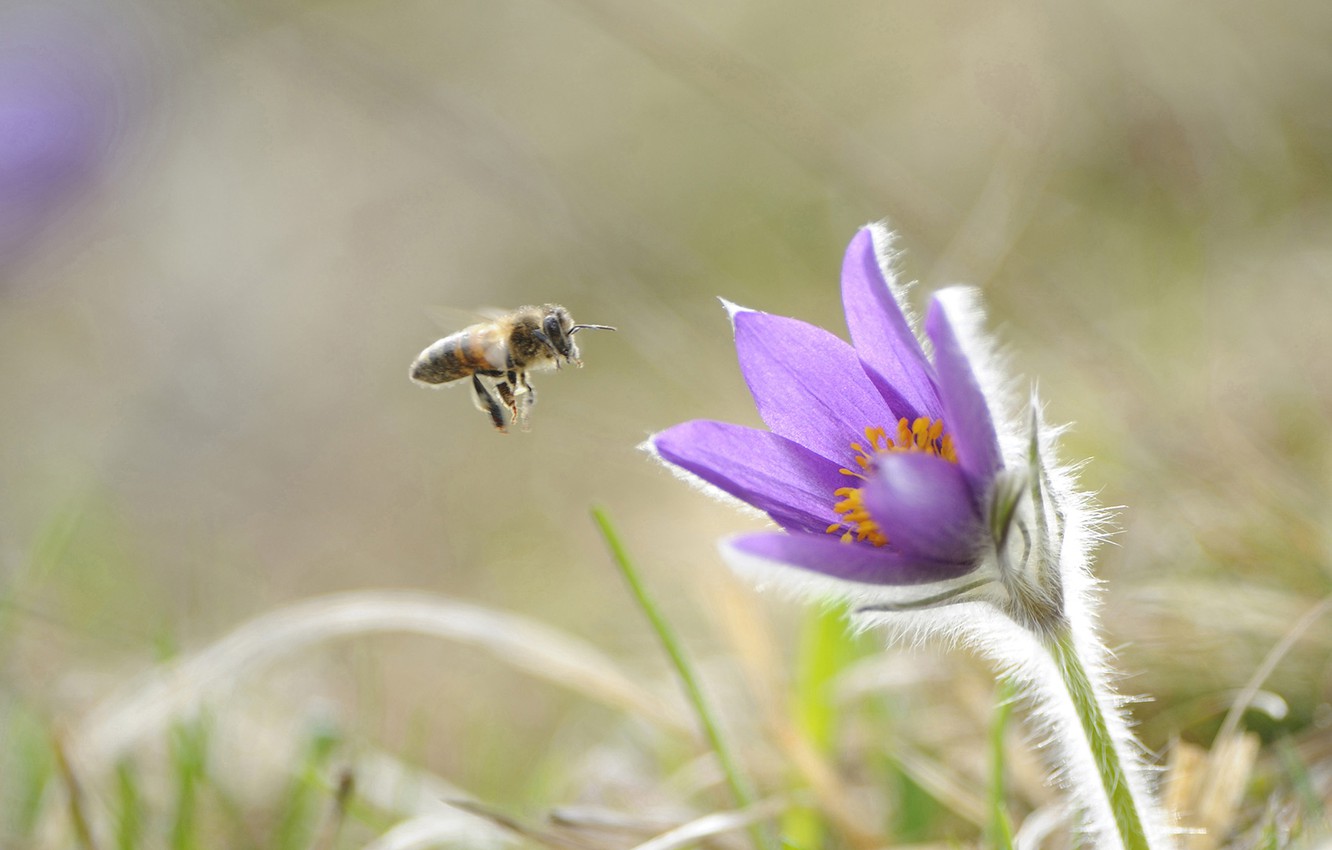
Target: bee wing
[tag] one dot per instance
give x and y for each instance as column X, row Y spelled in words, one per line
column 491, row 312
column 450, row 319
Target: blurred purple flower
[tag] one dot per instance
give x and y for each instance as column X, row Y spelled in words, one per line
column 880, row 464
column 62, row 104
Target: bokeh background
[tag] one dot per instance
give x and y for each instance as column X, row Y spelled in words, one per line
column 227, row 228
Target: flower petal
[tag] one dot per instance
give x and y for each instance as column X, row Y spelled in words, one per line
column 808, row 385
column 925, row 506
column 883, row 337
column 792, row 484
column 856, row 562
column 966, row 412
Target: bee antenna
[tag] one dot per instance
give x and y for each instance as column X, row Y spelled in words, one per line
column 576, row 328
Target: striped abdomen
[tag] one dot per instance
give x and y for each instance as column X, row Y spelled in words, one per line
column 480, row 348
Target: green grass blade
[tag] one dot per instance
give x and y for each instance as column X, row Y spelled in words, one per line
column 30, row 765
column 129, row 807
column 1297, row 773
column 78, row 814
column 738, row 782
column 300, row 808
column 825, row 648
column 189, row 760
column 1000, row 833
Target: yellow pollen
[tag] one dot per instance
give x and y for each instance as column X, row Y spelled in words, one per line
column 923, row 435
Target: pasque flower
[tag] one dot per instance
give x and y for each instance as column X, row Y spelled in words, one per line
column 901, row 482
column 882, row 465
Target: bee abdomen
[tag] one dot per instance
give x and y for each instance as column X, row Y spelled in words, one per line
column 460, row 355
column 441, row 363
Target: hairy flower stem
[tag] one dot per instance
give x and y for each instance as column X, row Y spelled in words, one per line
column 1104, row 749
column 738, row 782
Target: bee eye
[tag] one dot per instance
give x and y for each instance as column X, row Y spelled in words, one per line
column 555, row 332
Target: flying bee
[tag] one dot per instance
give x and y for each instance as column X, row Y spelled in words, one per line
column 498, row 354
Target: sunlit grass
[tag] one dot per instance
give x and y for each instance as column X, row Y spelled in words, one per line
column 337, row 793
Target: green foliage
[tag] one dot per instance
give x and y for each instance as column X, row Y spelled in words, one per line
column 129, row 807
column 300, row 811
column 826, row 647
column 28, row 765
column 188, row 748
column 736, row 779
column 916, row 814
column 1000, row 831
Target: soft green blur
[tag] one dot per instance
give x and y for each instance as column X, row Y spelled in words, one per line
column 204, row 403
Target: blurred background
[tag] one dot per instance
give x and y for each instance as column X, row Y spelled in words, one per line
column 227, row 228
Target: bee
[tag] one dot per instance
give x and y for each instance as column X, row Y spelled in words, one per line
column 498, row 354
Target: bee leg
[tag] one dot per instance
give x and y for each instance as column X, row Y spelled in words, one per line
column 489, row 404
column 525, row 396
column 506, row 394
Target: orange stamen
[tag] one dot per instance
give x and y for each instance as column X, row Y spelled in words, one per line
column 922, row 435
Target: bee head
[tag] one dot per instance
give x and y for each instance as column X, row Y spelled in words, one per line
column 559, row 327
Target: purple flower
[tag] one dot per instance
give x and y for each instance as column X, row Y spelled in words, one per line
column 897, row 483
column 882, row 465
column 67, row 92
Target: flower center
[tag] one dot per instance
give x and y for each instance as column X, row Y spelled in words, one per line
column 923, row 435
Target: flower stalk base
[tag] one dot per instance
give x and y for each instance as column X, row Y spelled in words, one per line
column 1105, row 752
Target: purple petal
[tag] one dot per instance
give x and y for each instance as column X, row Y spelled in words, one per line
column 887, row 346
column 925, row 506
column 966, row 413
column 808, row 385
column 848, row 561
column 790, row 483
